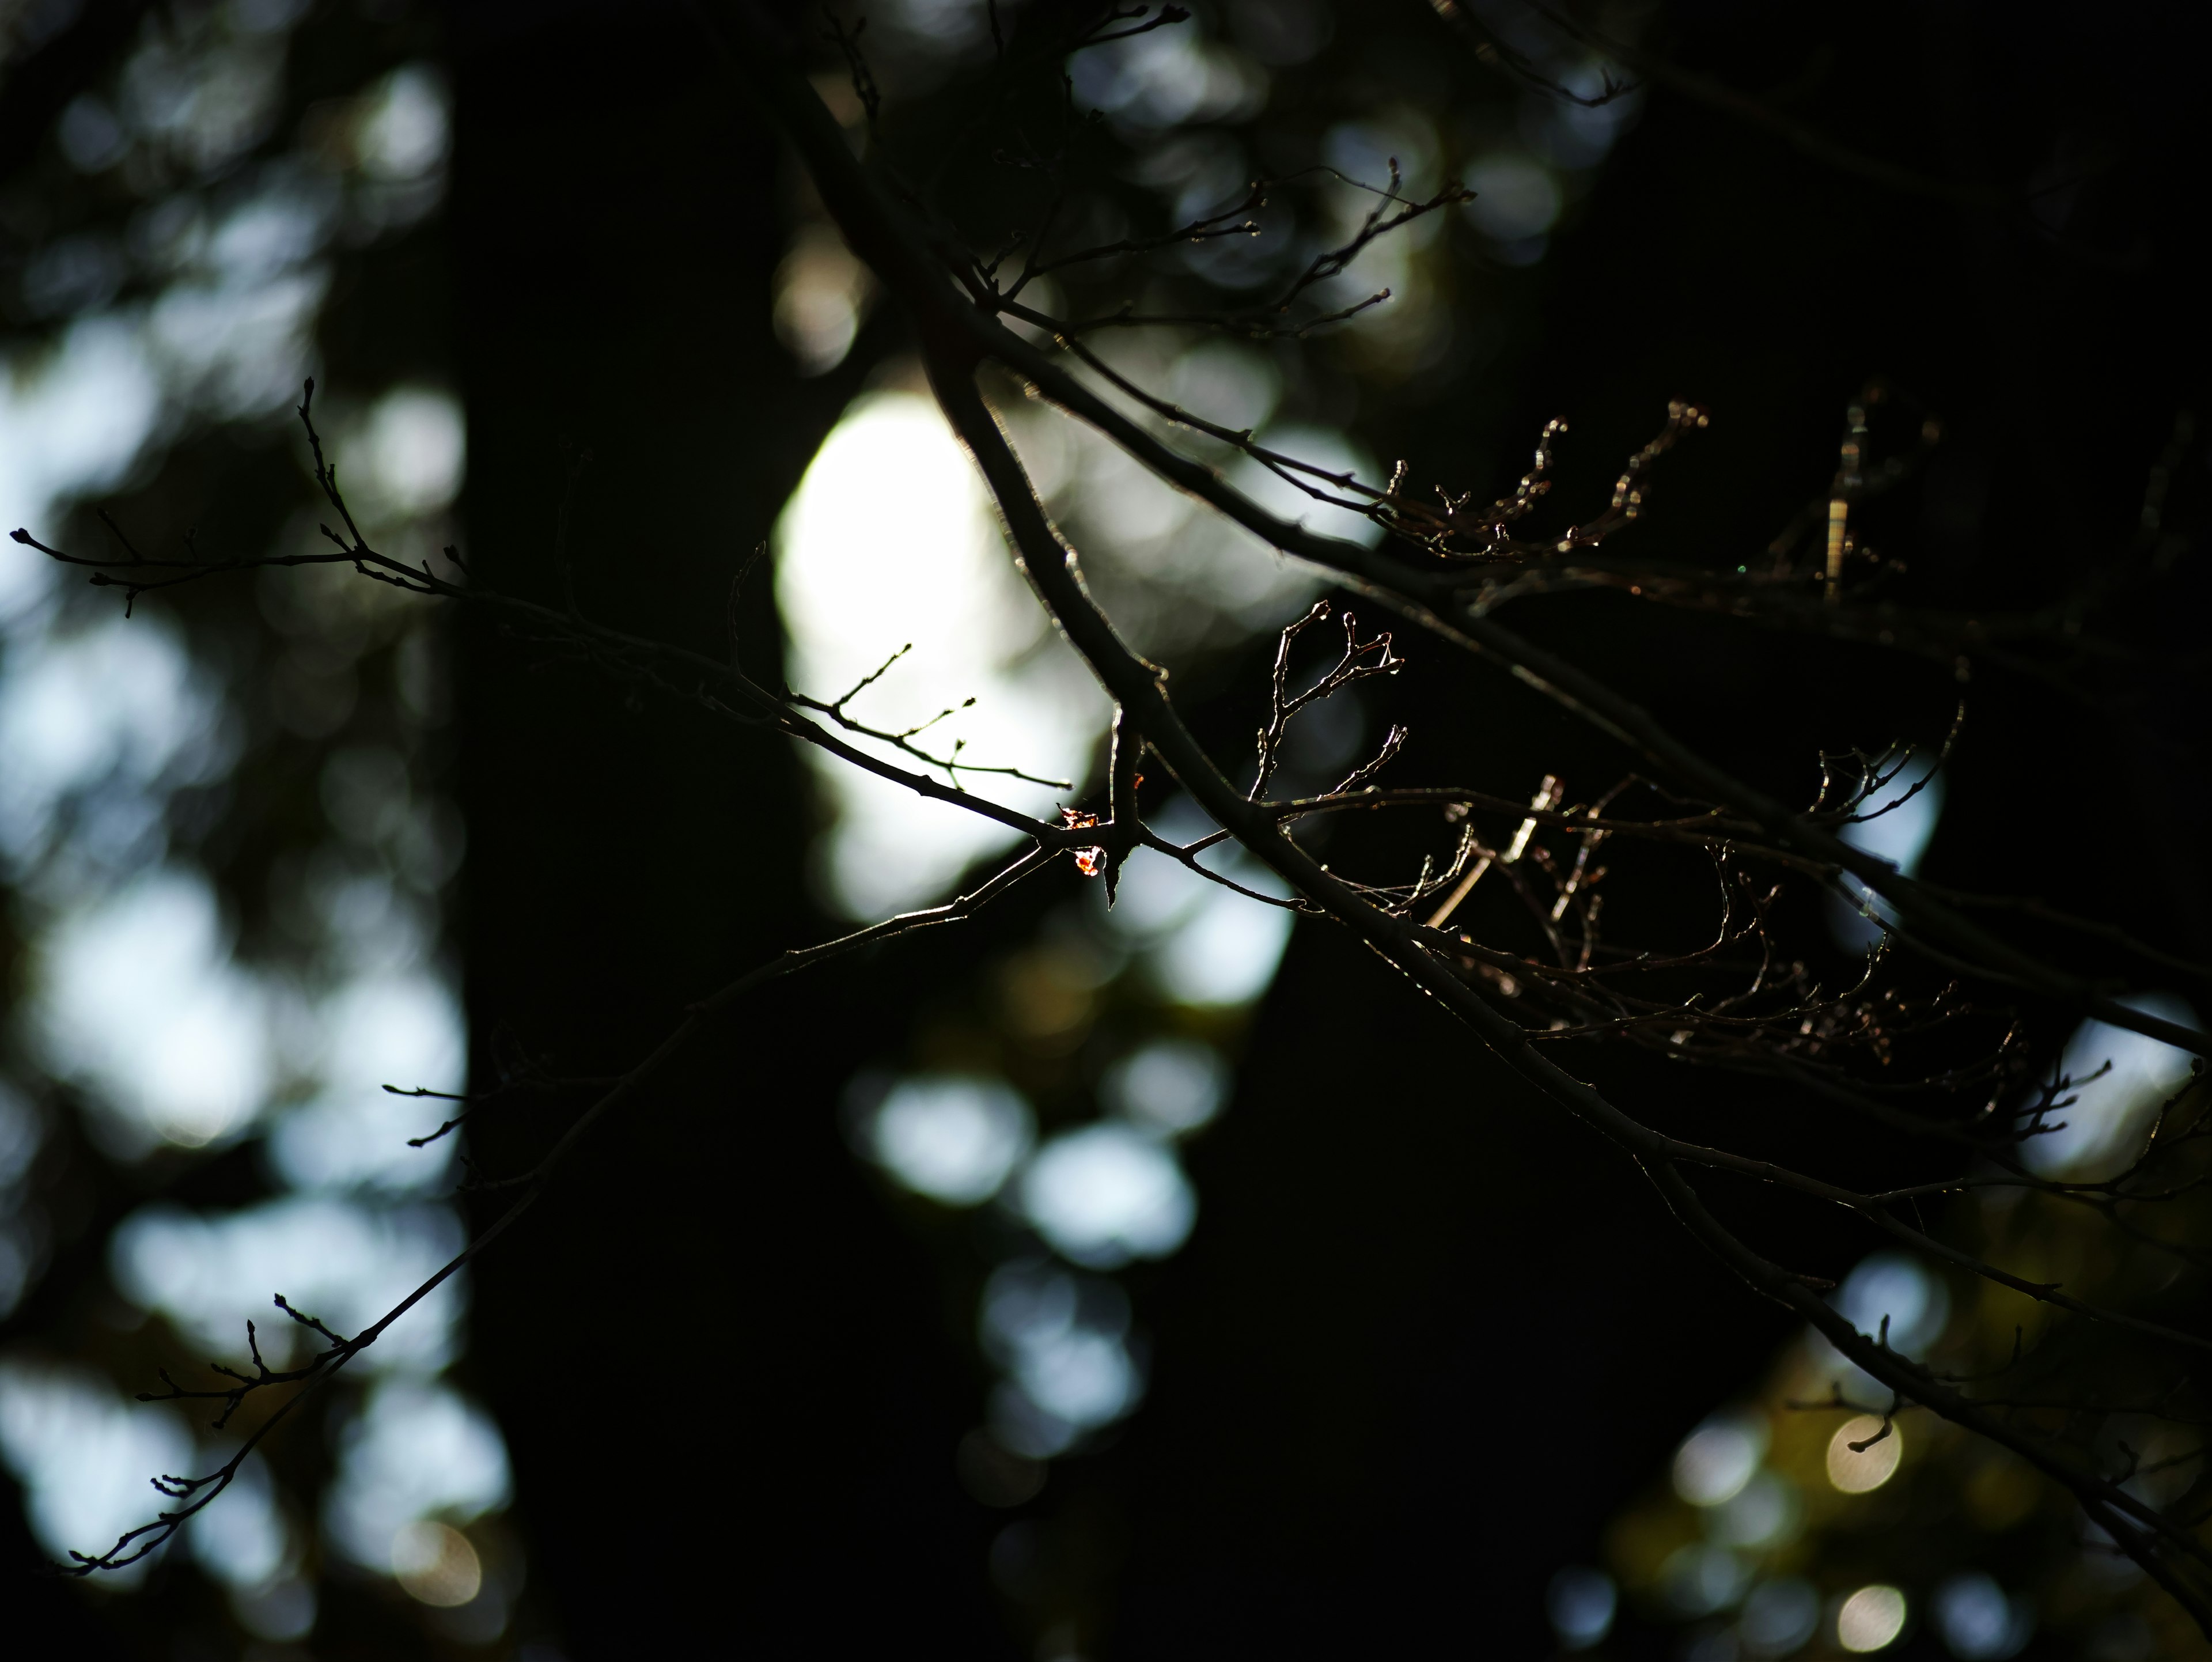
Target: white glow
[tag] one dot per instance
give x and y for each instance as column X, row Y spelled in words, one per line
column 1203, row 944
column 140, row 1002
column 1515, row 197
column 1903, row 826
column 415, row 1452
column 952, row 1137
column 266, row 236
column 1174, row 576
column 412, row 452
column 1325, row 449
column 83, row 1454
column 1581, row 1603
column 407, row 128
column 1870, row 1619
column 405, row 1029
column 1107, row 1194
column 1225, row 951
column 821, row 290
column 1862, row 1470
column 1901, row 1289
column 889, row 541
column 237, row 351
column 1718, row 1458
column 1173, row 1086
column 2104, row 1125
column 1063, row 1340
column 119, row 704
column 1978, row 1622
column 1085, row 1378
column 341, row 1261
column 241, row 1539
column 72, row 418
column 434, row 1563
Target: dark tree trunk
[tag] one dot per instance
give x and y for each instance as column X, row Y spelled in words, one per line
column 730, row 1399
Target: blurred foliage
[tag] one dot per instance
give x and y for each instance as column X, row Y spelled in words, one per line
column 1705, row 258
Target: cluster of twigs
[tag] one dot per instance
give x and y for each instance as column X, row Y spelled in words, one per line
column 1758, row 1008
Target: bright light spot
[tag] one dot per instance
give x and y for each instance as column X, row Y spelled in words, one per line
column 1701, row 1579
column 434, row 1563
column 1778, row 1616
column 1762, row 1513
column 1107, row 1194
column 1085, row 1378
column 2104, row 1125
column 1581, row 1603
column 412, row 452
column 1870, row 1618
column 416, row 1450
column 1718, row 1458
column 337, row 1260
column 1225, row 952
column 267, row 235
column 239, row 352
column 1898, row 834
column 1173, row 1086
column 1329, row 450
column 1978, row 1622
column 820, row 292
column 405, row 129
column 403, row 1030
column 108, row 715
column 889, row 540
column 1175, row 578
column 1515, row 199
column 84, row 1455
column 241, row 1539
column 72, row 419
column 1859, row 1471
column 141, row 1001
column 952, row 1137
column 1900, row 1287
column 1062, row 1339
column 1203, row 944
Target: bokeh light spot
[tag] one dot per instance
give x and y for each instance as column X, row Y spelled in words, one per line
column 1860, row 1470
column 436, row 1565
column 1718, row 1458
column 1175, row 1086
column 1870, row 1619
column 1978, row 1622
column 1107, row 1194
column 952, row 1137
column 1581, row 1603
